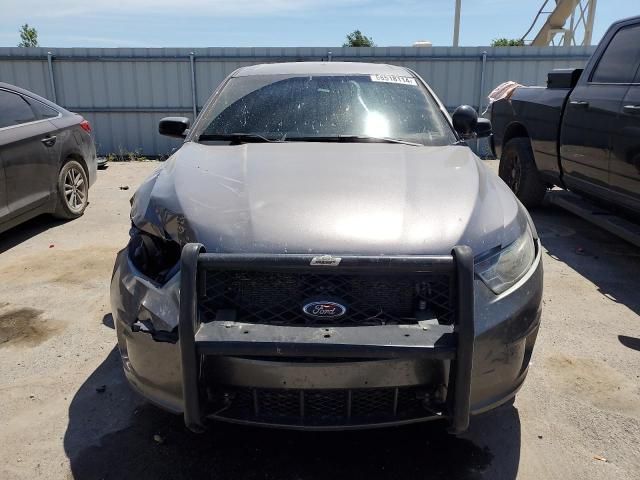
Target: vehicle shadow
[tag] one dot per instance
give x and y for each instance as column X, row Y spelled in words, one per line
column 114, row 434
column 609, row 262
column 630, row 342
column 26, row 230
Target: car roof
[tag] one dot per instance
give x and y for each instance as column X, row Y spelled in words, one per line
column 27, row 93
column 322, row 68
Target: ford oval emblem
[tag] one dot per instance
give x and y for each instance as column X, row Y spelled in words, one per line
column 324, row 309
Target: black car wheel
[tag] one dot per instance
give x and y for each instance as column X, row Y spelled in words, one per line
column 73, row 191
column 518, row 170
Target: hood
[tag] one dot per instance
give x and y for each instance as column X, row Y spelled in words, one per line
column 326, row 198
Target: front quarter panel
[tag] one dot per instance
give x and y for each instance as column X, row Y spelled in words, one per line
column 506, row 330
column 534, row 112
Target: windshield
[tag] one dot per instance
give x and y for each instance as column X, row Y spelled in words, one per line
column 325, row 107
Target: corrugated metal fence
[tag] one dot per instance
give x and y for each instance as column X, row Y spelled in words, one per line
column 123, row 92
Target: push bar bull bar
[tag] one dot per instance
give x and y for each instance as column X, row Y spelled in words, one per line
column 197, row 339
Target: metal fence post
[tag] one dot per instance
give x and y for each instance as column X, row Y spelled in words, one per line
column 481, row 97
column 52, row 81
column 194, row 96
column 482, row 74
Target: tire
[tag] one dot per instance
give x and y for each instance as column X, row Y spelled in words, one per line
column 73, row 191
column 518, row 170
column 505, row 408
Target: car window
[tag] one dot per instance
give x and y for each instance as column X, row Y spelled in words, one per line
column 14, row 110
column 319, row 106
column 619, row 61
column 43, row 110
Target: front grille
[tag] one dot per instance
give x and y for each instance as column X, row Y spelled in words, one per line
column 323, row 407
column 278, row 298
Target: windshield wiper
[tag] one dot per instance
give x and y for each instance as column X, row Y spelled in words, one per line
column 257, row 138
column 238, row 138
column 352, row 139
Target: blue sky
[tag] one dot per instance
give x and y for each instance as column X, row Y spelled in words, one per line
column 246, row 23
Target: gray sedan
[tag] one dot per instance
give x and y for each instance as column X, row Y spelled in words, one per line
column 325, row 252
column 47, row 158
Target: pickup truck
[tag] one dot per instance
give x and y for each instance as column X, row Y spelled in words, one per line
column 581, row 132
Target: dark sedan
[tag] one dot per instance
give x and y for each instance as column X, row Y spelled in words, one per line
column 47, row 158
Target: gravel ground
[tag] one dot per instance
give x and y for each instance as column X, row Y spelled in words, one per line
column 67, row 411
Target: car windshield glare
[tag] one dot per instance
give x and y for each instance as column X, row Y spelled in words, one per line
column 346, row 108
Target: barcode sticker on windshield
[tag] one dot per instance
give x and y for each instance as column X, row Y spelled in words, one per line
column 394, row 79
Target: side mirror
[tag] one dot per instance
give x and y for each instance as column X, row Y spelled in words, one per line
column 464, row 119
column 174, row 126
column 466, row 122
column 483, row 128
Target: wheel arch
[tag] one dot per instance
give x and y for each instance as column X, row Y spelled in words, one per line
column 77, row 156
column 515, row 130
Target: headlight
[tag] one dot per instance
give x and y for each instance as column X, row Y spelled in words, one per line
column 504, row 268
column 155, row 257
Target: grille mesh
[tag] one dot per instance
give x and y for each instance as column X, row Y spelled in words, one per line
column 322, row 407
column 276, row 403
column 277, row 298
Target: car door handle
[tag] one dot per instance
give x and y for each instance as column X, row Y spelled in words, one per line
column 579, row 103
column 49, row 141
column 632, row 109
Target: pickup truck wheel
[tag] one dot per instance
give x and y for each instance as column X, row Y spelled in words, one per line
column 518, row 170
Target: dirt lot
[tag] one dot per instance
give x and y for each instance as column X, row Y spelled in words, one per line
column 68, row 413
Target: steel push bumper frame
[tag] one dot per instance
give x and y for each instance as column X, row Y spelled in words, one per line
column 454, row 342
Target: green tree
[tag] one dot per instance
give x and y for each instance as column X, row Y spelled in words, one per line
column 28, row 36
column 357, row 39
column 507, row 42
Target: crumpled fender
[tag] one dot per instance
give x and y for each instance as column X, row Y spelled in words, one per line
column 155, row 208
column 135, row 298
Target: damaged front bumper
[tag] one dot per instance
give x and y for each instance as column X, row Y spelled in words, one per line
column 350, row 377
